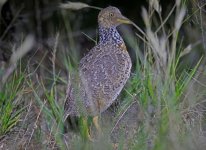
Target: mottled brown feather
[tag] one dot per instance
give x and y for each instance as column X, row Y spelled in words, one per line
column 103, row 72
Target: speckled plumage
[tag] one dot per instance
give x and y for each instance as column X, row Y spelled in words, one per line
column 104, row 71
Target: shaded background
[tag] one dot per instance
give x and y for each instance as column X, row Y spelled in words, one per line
column 44, row 19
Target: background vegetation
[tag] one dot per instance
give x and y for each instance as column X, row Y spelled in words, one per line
column 161, row 107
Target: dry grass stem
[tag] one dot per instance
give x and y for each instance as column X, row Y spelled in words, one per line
column 77, row 6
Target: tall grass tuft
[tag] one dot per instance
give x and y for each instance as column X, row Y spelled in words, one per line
column 10, row 101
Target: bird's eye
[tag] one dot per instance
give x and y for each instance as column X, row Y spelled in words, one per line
column 111, row 14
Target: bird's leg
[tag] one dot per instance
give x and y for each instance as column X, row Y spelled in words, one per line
column 85, row 129
column 96, row 124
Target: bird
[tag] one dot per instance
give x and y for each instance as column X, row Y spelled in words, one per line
column 103, row 71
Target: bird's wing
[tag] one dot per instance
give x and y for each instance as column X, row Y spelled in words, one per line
column 104, row 71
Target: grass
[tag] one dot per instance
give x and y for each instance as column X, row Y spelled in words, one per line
column 171, row 110
column 10, row 110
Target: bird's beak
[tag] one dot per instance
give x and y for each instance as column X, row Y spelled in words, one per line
column 123, row 19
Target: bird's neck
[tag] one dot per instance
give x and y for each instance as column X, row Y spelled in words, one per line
column 109, row 34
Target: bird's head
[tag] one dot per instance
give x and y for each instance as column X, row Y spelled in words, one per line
column 111, row 17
